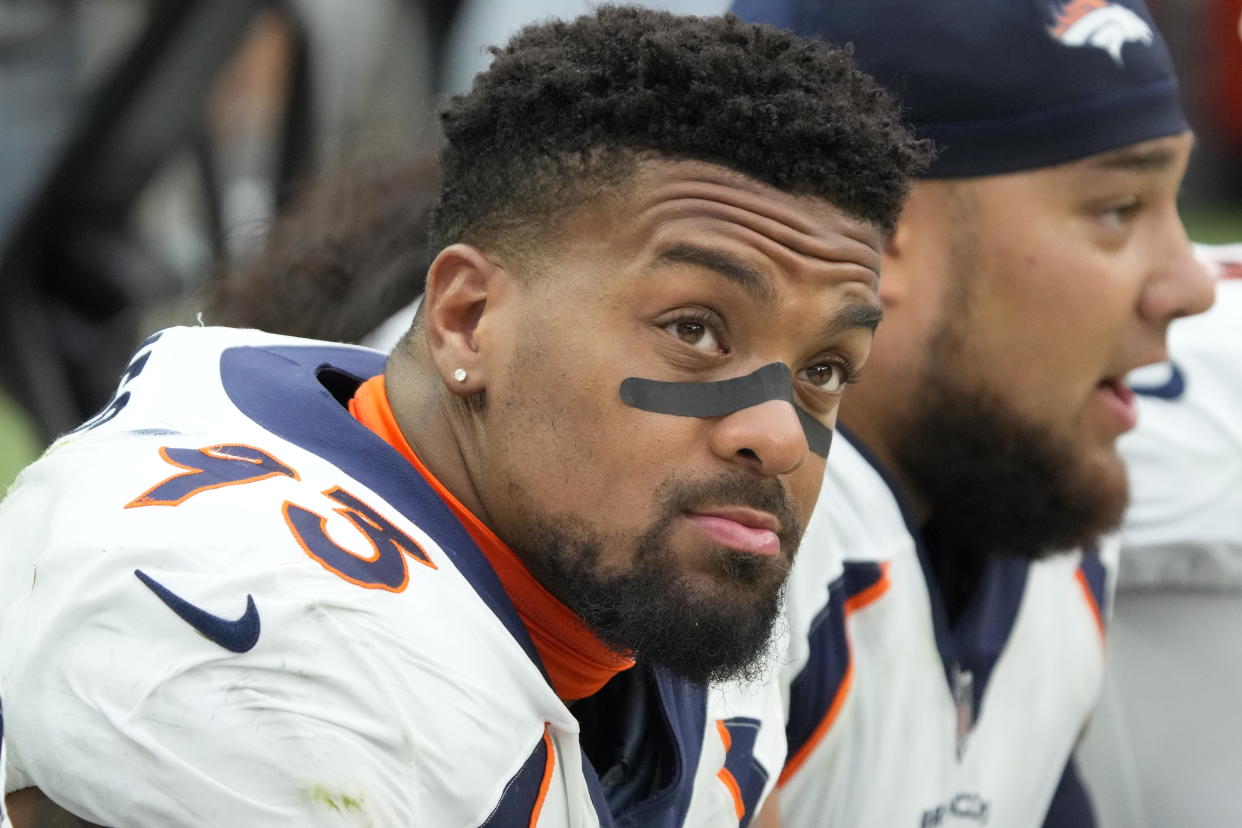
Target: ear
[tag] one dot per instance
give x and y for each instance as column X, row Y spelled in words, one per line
column 463, row 288
column 899, row 255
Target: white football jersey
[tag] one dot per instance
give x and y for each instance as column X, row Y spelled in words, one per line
column 895, row 719
column 1184, row 525
column 3, row 814
column 224, row 601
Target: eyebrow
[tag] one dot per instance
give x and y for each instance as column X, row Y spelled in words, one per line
column 856, row 315
column 740, row 273
column 849, row 317
column 1134, row 160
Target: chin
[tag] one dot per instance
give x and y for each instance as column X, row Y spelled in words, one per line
column 1104, row 472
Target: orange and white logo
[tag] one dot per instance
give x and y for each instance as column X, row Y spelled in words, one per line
column 1101, row 24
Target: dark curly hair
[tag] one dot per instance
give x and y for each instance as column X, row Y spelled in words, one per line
column 568, row 106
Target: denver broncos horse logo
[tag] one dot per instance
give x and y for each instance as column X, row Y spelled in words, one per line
column 1101, row 24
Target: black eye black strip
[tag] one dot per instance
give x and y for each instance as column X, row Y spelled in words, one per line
column 773, row 381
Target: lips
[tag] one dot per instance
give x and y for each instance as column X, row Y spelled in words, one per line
column 1119, row 402
column 746, row 530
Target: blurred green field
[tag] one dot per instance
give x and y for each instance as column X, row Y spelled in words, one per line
column 1215, row 226
column 18, row 445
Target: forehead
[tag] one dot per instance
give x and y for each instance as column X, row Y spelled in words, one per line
column 995, row 204
column 690, row 209
column 1158, row 161
column 1144, row 156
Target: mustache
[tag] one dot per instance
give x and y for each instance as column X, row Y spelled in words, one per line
column 677, row 496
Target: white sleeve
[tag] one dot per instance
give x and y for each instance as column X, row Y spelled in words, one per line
column 121, row 721
column 124, row 714
column 4, row 820
column 1184, row 524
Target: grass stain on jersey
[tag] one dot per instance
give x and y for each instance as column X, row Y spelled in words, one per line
column 337, row 802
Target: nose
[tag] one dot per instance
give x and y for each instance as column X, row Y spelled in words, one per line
column 765, row 438
column 1180, row 284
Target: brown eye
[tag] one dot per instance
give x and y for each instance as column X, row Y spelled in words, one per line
column 690, row 332
column 827, row 376
column 695, row 334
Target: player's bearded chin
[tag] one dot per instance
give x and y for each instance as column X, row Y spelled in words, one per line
column 715, row 625
column 996, row 483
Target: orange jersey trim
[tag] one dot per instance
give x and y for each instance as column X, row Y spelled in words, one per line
column 725, row 775
column 549, row 765
column 578, row 663
column 871, row 593
column 1089, row 596
column 852, row 604
column 725, row 736
column 821, row 730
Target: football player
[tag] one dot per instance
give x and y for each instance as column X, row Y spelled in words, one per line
column 948, row 609
column 277, row 581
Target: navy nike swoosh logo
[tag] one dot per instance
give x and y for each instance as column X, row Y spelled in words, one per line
column 1171, row 389
column 237, row 636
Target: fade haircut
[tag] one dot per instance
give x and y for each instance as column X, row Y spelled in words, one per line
column 567, row 108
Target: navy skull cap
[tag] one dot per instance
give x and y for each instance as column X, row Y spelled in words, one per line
column 1004, row 85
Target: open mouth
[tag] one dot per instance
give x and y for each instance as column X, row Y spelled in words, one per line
column 1120, row 401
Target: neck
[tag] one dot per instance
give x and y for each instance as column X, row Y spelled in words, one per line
column 957, row 572
column 436, row 424
column 577, row 662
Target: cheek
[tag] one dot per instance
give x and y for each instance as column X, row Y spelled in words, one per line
column 578, row 448
column 804, row 486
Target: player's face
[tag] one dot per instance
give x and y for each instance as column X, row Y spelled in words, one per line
column 672, row 535
column 1058, row 282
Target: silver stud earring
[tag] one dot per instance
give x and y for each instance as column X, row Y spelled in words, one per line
column 460, row 375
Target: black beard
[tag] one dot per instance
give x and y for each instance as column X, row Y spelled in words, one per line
column 995, row 483
column 655, row 611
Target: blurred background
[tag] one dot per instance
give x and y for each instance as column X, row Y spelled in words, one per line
column 146, row 145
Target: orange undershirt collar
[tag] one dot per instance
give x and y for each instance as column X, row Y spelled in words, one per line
column 578, row 663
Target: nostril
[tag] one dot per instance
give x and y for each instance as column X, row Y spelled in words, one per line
column 748, row 453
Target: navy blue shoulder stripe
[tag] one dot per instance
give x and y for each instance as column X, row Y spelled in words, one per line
column 861, row 576
column 813, row 692
column 521, row 795
column 740, row 761
column 1097, row 578
column 986, row 624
